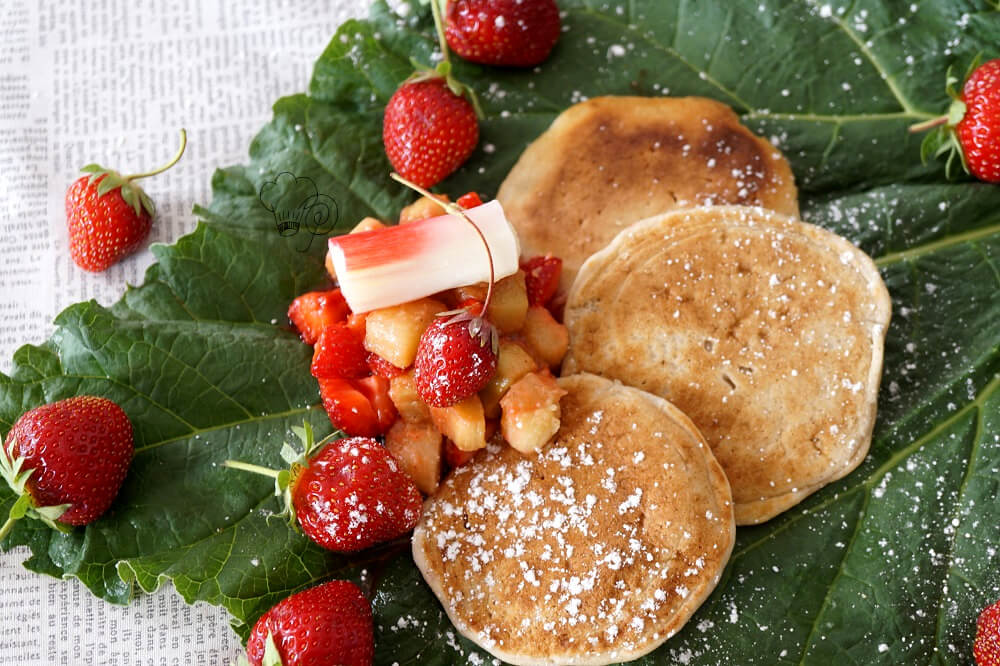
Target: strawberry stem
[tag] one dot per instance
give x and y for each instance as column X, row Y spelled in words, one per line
column 247, row 467
column 455, row 209
column 176, row 158
column 928, row 124
column 439, row 28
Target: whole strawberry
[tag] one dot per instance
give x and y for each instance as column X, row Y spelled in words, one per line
column 108, row 216
column 515, row 33
column 346, row 495
column 979, row 128
column 986, row 648
column 327, row 625
column 456, row 357
column 429, row 129
column 971, row 128
column 67, row 460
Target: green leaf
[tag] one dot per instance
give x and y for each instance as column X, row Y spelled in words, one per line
column 889, row 565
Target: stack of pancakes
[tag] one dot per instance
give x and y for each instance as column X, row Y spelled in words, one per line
column 724, row 364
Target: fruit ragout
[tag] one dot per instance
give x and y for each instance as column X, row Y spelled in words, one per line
column 437, row 376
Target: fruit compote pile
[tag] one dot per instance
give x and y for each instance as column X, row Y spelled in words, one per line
column 438, row 377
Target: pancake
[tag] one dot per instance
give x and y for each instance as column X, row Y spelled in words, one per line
column 611, row 161
column 594, row 551
column 768, row 332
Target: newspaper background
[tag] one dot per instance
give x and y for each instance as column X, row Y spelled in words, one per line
column 113, row 81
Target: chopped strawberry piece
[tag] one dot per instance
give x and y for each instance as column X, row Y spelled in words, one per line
column 349, row 409
column 313, row 311
column 357, row 323
column 383, row 368
column 376, row 390
column 339, row 352
column 541, row 276
column 454, row 456
column 473, row 305
column 469, row 200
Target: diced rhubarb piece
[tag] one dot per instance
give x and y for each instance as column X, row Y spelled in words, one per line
column 379, row 269
column 462, row 423
column 513, row 362
column 417, row 447
column 542, row 276
column 349, row 410
column 454, row 456
column 376, row 389
column 313, row 311
column 394, row 332
column 339, row 353
column 469, row 200
column 509, row 304
column 546, row 338
column 530, row 411
column 403, row 391
column 423, row 208
column 381, row 367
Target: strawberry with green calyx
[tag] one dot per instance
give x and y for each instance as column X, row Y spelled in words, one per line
column 109, row 216
column 457, row 354
column 346, row 494
column 431, row 122
column 66, row 461
column 326, row 625
column 971, row 128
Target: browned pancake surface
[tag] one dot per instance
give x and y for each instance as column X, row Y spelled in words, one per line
column 766, row 331
column 595, row 551
column 610, row 161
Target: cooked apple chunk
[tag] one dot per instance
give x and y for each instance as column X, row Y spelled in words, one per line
column 530, row 411
column 394, row 333
column 417, row 447
column 513, row 362
column 545, row 337
column 423, row 208
column 403, row 392
column 462, row 423
column 509, row 303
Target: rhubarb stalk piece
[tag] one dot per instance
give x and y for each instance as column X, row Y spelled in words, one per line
column 378, row 269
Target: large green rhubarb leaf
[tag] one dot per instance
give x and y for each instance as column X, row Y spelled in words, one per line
column 890, row 565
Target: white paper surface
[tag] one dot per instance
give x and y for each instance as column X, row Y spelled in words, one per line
column 112, row 81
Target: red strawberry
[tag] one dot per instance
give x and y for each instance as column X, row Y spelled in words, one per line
column 67, row 460
column 428, row 130
column 108, row 216
column 383, row 368
column 986, row 648
column 326, row 625
column 354, row 495
column 358, row 407
column 347, row 494
column 455, row 358
column 971, row 128
column 515, row 33
column 313, row 311
column 541, row 276
column 339, row 353
column 979, row 129
column 469, row 200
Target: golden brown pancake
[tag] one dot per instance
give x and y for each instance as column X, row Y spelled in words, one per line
column 611, row 161
column 768, row 332
column 595, row 550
